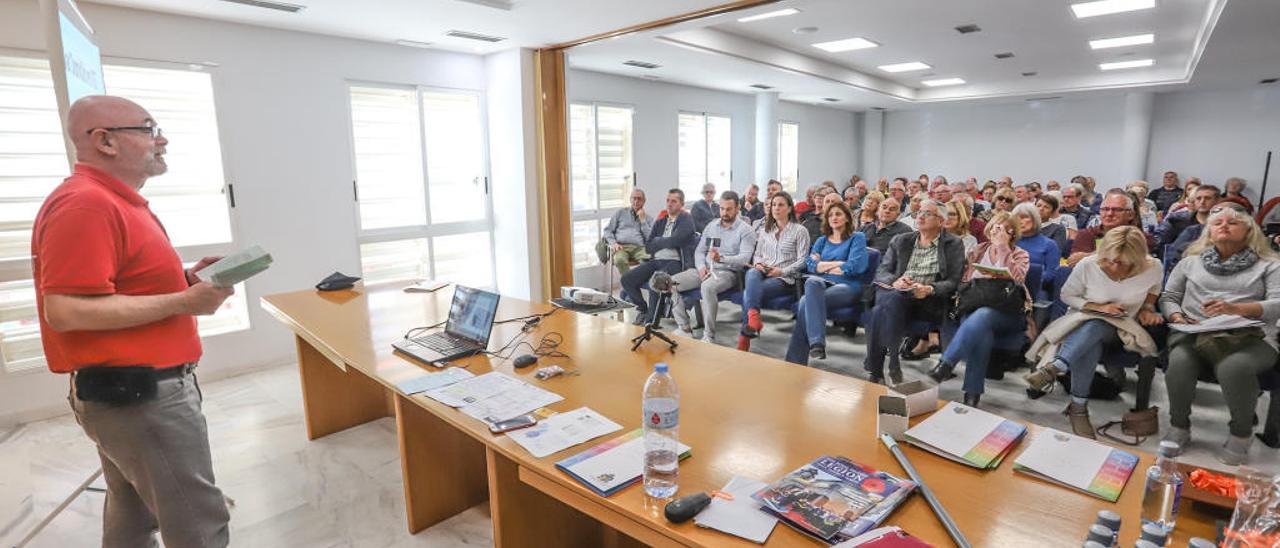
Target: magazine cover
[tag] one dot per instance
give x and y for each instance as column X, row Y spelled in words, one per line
column 833, row 495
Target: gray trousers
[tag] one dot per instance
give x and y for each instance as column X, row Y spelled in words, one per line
column 155, row 459
column 711, row 288
column 1237, row 373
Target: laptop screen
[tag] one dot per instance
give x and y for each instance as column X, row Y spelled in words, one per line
column 471, row 314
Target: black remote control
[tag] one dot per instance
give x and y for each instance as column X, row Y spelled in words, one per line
column 683, row 509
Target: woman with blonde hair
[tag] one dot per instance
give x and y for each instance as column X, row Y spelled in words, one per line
column 958, row 225
column 1004, row 200
column 867, row 213
column 1230, row 271
column 1112, row 296
column 1146, row 207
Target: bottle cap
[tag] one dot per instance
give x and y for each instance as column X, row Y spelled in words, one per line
column 1109, row 519
column 1154, row 533
column 1198, row 542
column 1099, row 533
column 1143, row 543
column 1168, row 448
column 660, row 367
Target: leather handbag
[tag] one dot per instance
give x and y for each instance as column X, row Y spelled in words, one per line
column 1000, row 294
column 1137, row 423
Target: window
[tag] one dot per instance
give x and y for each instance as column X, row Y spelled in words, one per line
column 789, row 155
column 188, row 199
column 601, row 172
column 704, row 152
column 421, row 185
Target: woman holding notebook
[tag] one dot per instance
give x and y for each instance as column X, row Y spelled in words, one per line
column 990, row 265
column 1112, row 296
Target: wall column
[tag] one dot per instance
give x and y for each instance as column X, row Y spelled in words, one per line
column 872, row 146
column 1136, row 140
column 766, row 137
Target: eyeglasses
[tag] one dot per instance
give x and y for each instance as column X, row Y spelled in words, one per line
column 1219, row 209
column 1004, row 199
column 154, row 131
column 1114, row 209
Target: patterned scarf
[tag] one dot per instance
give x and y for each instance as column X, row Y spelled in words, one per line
column 1218, row 266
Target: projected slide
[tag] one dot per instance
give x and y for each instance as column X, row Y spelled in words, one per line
column 82, row 60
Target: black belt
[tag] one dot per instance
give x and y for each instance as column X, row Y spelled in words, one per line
column 175, row 371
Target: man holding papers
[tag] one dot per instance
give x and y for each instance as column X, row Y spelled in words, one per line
column 117, row 311
column 1229, row 271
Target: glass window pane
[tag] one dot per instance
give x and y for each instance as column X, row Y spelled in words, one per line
column 582, row 156
column 33, row 160
column 455, row 156
column 19, row 328
column 789, row 155
column 615, row 163
column 692, row 152
column 719, row 151
column 388, row 156
column 396, row 260
column 464, row 259
column 585, row 235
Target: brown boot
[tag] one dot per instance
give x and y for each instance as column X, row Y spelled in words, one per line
column 1078, row 414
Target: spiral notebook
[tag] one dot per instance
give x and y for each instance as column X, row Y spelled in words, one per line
column 967, row 435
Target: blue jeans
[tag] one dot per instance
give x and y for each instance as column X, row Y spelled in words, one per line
column 759, row 289
column 973, row 341
column 1081, row 350
column 812, row 311
column 638, row 276
column 888, row 325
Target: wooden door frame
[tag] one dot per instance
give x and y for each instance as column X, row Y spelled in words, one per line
column 554, row 207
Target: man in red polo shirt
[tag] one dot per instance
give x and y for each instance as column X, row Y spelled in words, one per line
column 117, row 311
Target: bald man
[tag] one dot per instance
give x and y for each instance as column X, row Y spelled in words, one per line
column 117, row 312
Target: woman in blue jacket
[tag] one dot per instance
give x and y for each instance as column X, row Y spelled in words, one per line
column 1042, row 249
column 836, row 262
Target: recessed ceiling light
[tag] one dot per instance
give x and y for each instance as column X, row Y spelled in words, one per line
column 804, row 30
column 769, row 15
column 848, row 44
column 1106, row 7
column 943, row 82
column 1030, row 73
column 904, row 67
column 641, row 64
column 761, row 86
column 831, row 99
column 1135, row 40
column 1127, row 64
column 413, row 43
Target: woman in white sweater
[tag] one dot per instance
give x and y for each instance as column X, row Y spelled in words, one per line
column 1116, row 285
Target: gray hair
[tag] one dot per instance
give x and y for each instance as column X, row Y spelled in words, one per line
column 1235, row 180
column 1030, row 211
column 1255, row 240
column 1077, row 187
column 942, row 208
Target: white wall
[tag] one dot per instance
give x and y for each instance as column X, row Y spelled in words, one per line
column 283, row 117
column 1218, row 134
column 828, row 144
column 513, row 171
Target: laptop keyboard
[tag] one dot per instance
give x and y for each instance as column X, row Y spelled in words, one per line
column 445, row 343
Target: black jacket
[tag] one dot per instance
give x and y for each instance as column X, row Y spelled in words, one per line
column 683, row 237
column 951, row 261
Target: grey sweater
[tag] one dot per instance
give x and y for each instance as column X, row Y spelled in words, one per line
column 1190, row 285
column 624, row 228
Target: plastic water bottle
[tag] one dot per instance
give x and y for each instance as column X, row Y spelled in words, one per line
column 1163, row 490
column 661, row 441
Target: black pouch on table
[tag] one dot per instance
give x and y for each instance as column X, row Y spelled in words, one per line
column 121, row 385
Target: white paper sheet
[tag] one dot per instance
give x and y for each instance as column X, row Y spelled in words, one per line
column 955, row 429
column 431, row 381
column 474, row 389
column 510, row 403
column 1216, row 323
column 741, row 516
column 562, row 431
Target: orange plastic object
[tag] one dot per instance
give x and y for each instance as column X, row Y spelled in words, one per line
column 1220, row 484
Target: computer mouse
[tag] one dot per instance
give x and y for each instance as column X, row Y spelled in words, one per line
column 525, row 360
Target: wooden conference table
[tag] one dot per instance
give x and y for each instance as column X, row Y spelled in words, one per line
column 742, row 413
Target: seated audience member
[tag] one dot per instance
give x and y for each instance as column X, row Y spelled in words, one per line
column 781, row 248
column 1187, row 196
column 807, row 206
column 1168, row 193
column 909, row 216
column 1120, row 281
column 1056, row 226
column 922, row 270
column 706, row 210
column 670, row 245
column 1147, row 211
column 1042, row 249
column 1091, row 195
column 1230, row 270
column 882, row 186
column 1118, row 209
column 1234, row 188
column 1021, row 195
column 853, row 198
column 722, row 254
column 1071, row 205
column 813, row 225
column 836, row 261
column 1033, row 191
column 1202, row 201
column 958, row 225
column 971, row 187
column 853, row 181
column 1004, row 201
column 627, row 231
column 1053, row 186
column 915, row 187
column 752, row 208
column 771, row 190
column 866, row 212
column 941, row 193
column 898, row 191
column 977, row 228
column 987, row 198
column 887, row 225
column 978, row 329
column 1004, row 182
column 1175, row 250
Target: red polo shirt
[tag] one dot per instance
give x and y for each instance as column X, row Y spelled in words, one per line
column 95, row 235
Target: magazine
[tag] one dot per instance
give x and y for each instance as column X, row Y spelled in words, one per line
column 833, row 498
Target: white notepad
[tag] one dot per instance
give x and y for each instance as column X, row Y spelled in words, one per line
column 966, row 435
column 1077, row 462
column 741, row 516
column 562, row 431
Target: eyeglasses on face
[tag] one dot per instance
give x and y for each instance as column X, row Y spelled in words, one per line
column 1004, row 199
column 1114, row 209
column 154, row 131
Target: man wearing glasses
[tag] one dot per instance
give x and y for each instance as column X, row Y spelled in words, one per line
column 1071, row 196
column 1117, row 209
column 706, row 210
column 117, row 311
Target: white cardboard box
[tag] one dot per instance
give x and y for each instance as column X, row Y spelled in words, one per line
column 921, row 397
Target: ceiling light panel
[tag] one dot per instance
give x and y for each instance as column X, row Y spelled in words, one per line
column 1127, row 64
column 1120, row 42
column 904, row 67
column 769, row 15
column 943, row 82
column 848, row 44
column 1107, row 7
column 279, row 6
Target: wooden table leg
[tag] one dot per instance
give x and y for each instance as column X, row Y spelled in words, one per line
column 334, row 399
column 444, row 468
column 524, row 516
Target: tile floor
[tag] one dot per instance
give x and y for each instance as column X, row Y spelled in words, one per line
column 344, row 490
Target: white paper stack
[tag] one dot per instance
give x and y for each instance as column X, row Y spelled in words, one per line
column 562, row 431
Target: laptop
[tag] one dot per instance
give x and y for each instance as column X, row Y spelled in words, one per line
column 465, row 333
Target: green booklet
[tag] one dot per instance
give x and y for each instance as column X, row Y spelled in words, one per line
column 236, row 268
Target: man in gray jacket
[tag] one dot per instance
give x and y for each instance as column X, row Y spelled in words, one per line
column 721, row 256
column 627, row 232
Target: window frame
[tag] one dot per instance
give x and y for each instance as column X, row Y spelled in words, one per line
column 430, row 230
column 706, row 156
column 598, row 214
column 780, row 176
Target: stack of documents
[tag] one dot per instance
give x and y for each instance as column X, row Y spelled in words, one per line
column 967, row 435
column 430, row 381
column 562, row 431
column 493, row 397
column 1216, row 323
column 609, row 467
column 1077, row 462
column 236, row 268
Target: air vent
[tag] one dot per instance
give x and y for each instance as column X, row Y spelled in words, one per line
column 1038, row 99
column 641, row 64
column 279, row 6
column 504, row 5
column 1030, row 73
column 831, row 99
column 878, row 108
column 761, row 86
column 966, row 29
column 474, row 36
column 1004, row 55
column 1269, row 81
column 413, row 43
column 650, row 76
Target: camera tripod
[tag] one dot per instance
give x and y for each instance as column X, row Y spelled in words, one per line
column 652, row 328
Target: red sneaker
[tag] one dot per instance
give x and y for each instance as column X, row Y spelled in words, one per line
column 753, row 320
column 744, row 343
